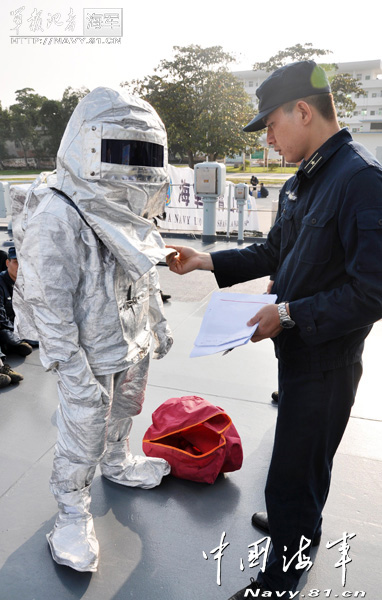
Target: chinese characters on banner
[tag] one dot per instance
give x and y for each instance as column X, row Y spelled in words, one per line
column 184, row 210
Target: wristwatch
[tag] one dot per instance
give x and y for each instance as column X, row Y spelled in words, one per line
column 285, row 321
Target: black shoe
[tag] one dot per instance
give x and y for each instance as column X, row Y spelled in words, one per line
column 14, row 376
column 260, row 520
column 165, row 297
column 275, row 396
column 23, row 349
column 245, row 593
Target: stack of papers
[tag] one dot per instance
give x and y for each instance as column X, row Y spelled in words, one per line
column 224, row 324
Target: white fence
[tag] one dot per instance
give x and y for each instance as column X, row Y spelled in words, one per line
column 184, row 210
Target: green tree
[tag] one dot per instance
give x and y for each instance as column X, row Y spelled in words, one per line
column 5, row 131
column 291, row 54
column 37, row 123
column 54, row 116
column 342, row 84
column 204, row 107
column 24, row 121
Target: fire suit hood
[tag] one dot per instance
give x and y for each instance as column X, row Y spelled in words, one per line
column 117, row 199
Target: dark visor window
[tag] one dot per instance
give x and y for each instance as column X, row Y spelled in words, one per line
column 132, row 152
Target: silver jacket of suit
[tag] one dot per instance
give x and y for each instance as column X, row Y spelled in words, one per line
column 88, row 277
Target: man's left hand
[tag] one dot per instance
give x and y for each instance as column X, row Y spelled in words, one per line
column 269, row 323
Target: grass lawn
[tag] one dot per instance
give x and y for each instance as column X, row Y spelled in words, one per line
column 18, row 172
column 263, row 170
column 267, row 182
column 284, row 170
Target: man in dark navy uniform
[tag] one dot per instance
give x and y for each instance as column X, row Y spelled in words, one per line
column 325, row 250
column 9, row 340
column 7, row 316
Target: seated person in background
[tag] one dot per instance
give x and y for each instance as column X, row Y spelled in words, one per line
column 263, row 191
column 9, row 341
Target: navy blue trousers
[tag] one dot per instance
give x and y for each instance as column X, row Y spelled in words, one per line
column 313, row 412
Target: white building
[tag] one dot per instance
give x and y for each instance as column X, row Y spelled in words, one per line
column 365, row 124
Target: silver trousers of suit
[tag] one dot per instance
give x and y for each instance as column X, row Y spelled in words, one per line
column 88, row 435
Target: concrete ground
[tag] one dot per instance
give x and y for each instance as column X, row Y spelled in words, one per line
column 158, row 544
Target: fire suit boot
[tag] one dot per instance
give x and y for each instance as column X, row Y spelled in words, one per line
column 72, row 541
column 118, row 464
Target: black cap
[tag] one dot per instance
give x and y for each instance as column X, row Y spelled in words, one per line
column 12, row 252
column 294, row 81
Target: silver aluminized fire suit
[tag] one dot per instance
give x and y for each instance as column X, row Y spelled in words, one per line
column 87, row 282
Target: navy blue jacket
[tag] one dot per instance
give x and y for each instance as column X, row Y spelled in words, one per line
column 7, row 315
column 326, row 252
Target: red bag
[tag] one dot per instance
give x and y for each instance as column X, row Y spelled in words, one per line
column 196, row 438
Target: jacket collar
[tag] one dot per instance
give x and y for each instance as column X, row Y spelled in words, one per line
column 324, row 153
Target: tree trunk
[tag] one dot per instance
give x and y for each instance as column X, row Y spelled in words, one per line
column 190, row 159
column 25, row 152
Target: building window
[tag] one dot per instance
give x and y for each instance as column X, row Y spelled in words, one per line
column 250, row 83
column 380, row 111
column 364, row 112
column 356, row 112
column 367, row 77
column 376, row 125
column 372, row 112
column 359, row 76
column 374, row 95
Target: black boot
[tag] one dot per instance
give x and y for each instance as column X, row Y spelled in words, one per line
column 23, row 349
column 275, row 397
column 260, row 521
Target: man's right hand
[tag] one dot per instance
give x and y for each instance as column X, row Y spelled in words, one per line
column 185, row 259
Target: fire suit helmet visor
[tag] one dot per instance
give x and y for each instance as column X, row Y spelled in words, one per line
column 132, row 152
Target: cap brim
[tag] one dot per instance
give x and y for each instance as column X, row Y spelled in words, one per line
column 257, row 122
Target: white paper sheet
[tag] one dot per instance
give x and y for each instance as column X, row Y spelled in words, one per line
column 224, row 324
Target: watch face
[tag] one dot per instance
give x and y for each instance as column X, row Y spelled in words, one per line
column 287, row 324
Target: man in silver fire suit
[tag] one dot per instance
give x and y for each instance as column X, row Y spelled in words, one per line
column 87, row 252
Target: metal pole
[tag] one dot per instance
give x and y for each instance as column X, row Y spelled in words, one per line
column 230, row 184
column 209, row 220
column 240, row 226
